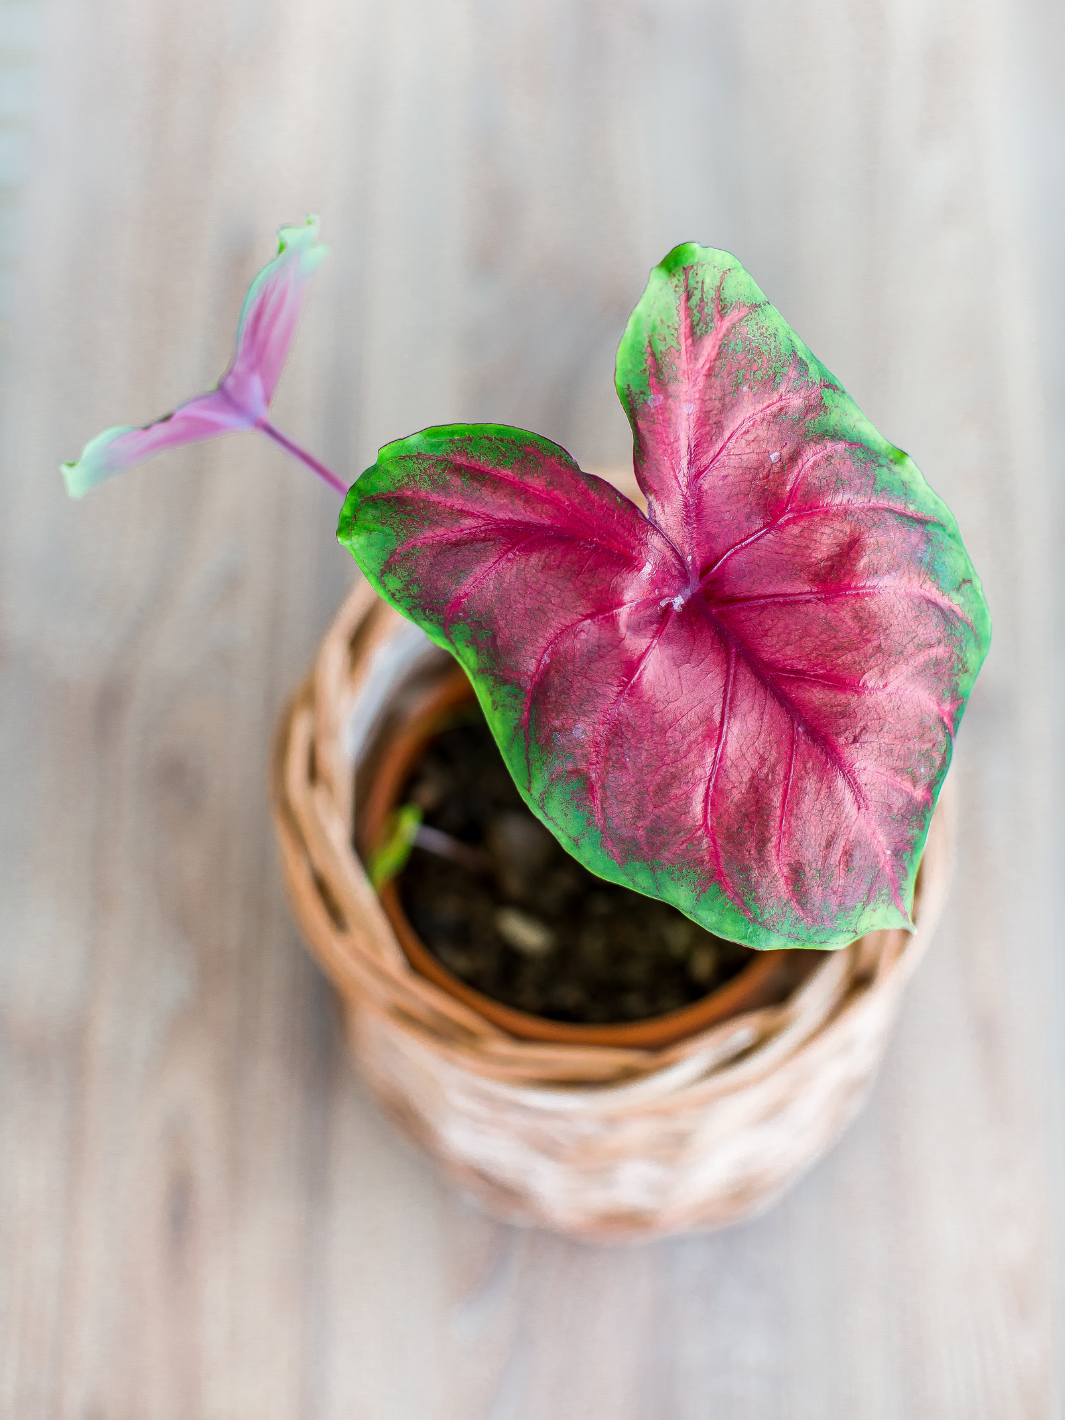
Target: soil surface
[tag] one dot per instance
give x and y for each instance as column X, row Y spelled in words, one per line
column 521, row 920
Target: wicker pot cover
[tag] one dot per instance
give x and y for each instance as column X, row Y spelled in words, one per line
column 596, row 1141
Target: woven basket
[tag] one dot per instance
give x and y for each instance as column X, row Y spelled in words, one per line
column 596, row 1141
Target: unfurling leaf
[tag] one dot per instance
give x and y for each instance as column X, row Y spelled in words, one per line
column 390, row 856
column 267, row 327
column 743, row 702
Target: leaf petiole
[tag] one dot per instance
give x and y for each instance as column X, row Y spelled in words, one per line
column 294, row 449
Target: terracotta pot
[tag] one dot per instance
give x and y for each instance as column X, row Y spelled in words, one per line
column 599, row 1140
column 764, row 980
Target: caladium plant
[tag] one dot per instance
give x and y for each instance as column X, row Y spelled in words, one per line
column 742, row 700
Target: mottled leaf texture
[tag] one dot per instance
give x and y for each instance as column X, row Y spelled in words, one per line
column 743, row 702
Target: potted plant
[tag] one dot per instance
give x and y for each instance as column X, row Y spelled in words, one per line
column 738, row 704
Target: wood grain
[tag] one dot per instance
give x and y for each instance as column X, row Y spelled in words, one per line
column 201, row 1214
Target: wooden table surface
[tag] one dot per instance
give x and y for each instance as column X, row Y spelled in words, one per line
column 203, row 1216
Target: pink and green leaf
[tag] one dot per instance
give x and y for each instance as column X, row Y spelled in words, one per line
column 743, row 702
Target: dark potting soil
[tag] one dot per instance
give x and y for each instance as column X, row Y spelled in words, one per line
column 532, row 928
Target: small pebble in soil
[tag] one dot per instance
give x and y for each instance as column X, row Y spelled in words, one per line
column 702, row 963
column 431, row 791
column 524, row 933
column 542, row 933
column 521, row 849
column 460, row 962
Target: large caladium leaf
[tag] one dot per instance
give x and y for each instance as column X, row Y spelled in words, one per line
column 743, row 702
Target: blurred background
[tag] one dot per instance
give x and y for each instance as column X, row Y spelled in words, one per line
column 201, row 1212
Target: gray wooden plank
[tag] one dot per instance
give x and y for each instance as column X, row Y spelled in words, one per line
column 202, row 1214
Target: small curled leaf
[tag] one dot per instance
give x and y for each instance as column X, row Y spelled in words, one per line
column 390, row 857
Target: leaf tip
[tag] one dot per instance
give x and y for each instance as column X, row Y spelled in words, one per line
column 76, row 487
column 96, row 463
column 302, row 241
